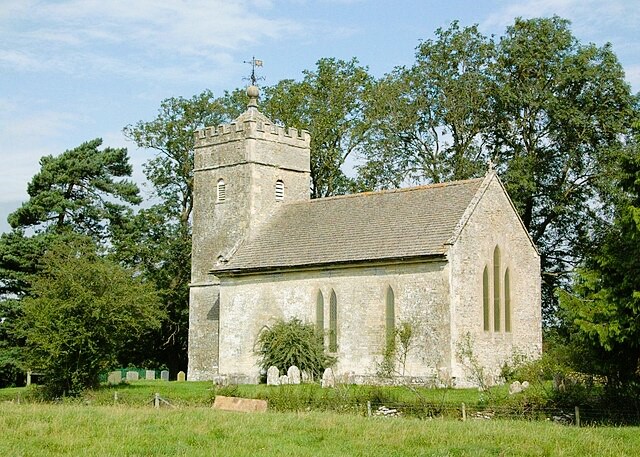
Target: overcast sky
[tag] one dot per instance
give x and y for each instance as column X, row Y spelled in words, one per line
column 74, row 70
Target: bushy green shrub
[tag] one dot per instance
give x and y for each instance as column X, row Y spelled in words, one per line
column 293, row 342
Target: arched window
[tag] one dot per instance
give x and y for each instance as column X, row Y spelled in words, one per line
column 222, row 191
column 279, row 190
column 390, row 315
column 333, row 322
column 496, row 289
column 320, row 313
column 485, row 299
column 507, row 302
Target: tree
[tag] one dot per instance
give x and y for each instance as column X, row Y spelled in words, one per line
column 79, row 191
column 82, row 309
column 603, row 312
column 559, row 112
column 428, row 119
column 330, row 103
column 158, row 240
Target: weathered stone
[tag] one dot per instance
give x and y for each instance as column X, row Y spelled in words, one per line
column 273, row 376
column 293, row 373
column 245, row 405
column 525, row 385
column 515, row 387
column 164, row 375
column 115, row 377
column 132, row 376
column 181, row 376
column 328, row 379
column 150, row 375
column 284, row 380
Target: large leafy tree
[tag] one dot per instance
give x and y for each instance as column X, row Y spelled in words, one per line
column 82, row 309
column 428, row 119
column 158, row 240
column 330, row 103
column 603, row 312
column 559, row 112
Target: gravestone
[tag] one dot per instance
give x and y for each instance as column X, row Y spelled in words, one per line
column 245, row 405
column 273, row 376
column 294, row 374
column 150, row 375
column 284, row 380
column 164, row 375
column 132, row 376
column 328, row 380
column 181, row 376
column 515, row 387
column 115, row 377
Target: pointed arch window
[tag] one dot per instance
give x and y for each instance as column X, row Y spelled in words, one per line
column 485, row 299
column 507, row 302
column 279, row 190
column 333, row 322
column 496, row 289
column 221, row 191
column 390, row 315
column 320, row 313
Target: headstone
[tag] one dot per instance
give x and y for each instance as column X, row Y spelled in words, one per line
column 273, row 376
column 181, row 376
column 328, row 379
column 525, row 385
column 150, row 375
column 132, row 376
column 115, row 377
column 515, row 387
column 245, row 405
column 293, row 373
column 164, row 375
column 284, row 380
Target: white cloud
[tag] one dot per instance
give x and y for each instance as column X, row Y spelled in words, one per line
column 80, row 36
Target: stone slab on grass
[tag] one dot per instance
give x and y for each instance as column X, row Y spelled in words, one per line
column 244, row 405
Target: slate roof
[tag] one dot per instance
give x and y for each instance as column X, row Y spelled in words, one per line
column 405, row 223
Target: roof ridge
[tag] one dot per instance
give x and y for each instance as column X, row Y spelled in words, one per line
column 388, row 191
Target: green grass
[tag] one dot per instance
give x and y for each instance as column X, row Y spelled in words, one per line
column 45, row 429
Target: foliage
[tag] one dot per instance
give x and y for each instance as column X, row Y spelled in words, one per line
column 603, row 312
column 427, row 119
column 394, row 359
column 78, row 191
column 81, row 310
column 288, row 343
column 330, row 103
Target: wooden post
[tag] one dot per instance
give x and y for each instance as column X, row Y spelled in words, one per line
column 577, row 417
column 115, row 397
column 369, row 409
column 464, row 413
column 156, row 400
column 28, row 378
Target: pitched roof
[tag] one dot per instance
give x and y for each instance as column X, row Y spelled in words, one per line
column 404, row 223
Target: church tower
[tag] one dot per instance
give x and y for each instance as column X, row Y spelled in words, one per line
column 243, row 173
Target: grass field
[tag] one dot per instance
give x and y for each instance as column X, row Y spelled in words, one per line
column 77, row 430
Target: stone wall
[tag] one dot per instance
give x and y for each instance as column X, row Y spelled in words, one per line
column 421, row 298
column 494, row 222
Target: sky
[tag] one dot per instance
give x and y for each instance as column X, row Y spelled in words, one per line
column 75, row 70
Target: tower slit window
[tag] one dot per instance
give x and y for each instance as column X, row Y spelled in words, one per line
column 221, row 191
column 279, row 190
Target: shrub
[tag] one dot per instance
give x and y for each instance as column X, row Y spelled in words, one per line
column 293, row 342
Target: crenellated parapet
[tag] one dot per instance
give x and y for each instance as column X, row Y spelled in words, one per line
column 252, row 129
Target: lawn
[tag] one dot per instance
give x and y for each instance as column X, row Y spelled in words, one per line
column 66, row 429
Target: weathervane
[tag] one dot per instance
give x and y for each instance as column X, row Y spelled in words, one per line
column 254, row 63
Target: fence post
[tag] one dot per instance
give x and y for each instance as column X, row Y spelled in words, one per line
column 369, row 409
column 577, row 417
column 156, row 400
column 115, row 397
column 464, row 413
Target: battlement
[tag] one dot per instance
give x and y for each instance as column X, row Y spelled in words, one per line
column 251, row 128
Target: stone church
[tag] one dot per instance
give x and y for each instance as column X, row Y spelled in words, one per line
column 451, row 260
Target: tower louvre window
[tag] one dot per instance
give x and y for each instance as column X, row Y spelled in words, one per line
column 222, row 191
column 279, row 190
